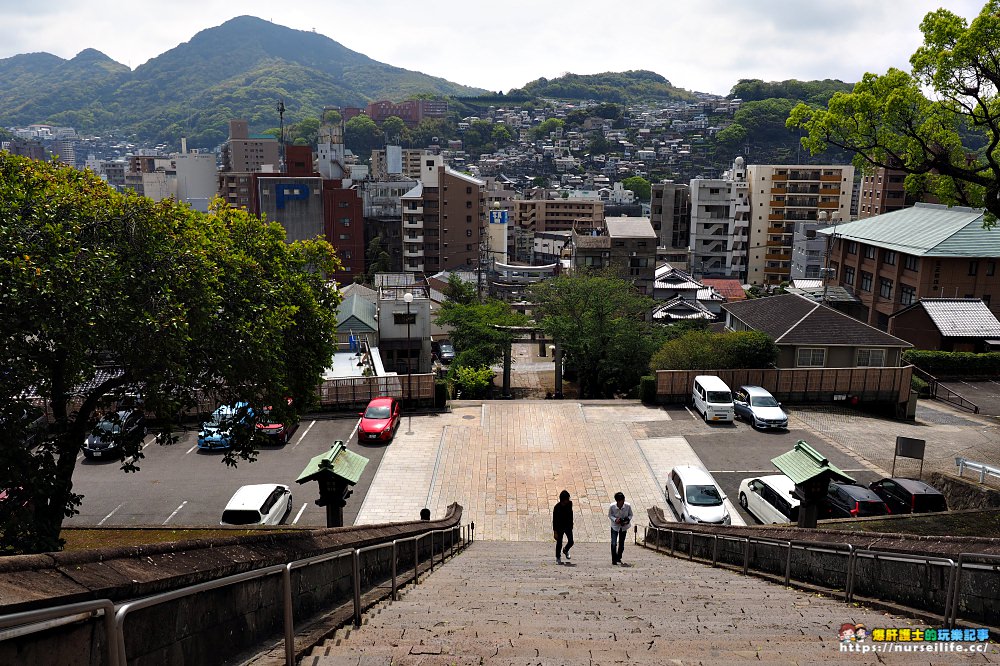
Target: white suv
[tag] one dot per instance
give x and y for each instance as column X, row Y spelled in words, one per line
column 769, row 499
column 258, row 504
column 695, row 497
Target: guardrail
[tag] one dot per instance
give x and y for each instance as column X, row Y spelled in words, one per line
column 938, row 391
column 983, row 469
column 953, row 592
column 28, row 622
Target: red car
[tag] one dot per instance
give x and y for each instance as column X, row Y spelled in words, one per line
column 380, row 420
column 272, row 432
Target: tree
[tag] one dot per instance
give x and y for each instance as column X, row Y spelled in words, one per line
column 107, row 295
column 546, row 127
column 639, row 185
column 704, row 350
column 599, row 145
column 303, row 133
column 377, row 259
column 362, row 135
column 599, row 322
column 395, row 130
column 477, row 341
column 949, row 143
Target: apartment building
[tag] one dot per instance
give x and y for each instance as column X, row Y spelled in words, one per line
column 443, row 219
column 926, row 251
column 529, row 217
column 670, row 215
column 383, row 210
column 781, row 196
column 882, row 191
column 720, row 209
column 411, row 111
column 394, row 163
column 243, row 153
column 628, row 245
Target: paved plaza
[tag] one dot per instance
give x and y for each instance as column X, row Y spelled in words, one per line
column 505, row 462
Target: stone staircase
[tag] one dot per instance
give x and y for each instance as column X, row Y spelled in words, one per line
column 510, row 603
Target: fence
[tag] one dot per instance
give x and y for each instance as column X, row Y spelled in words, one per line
column 888, row 385
column 357, row 391
column 168, row 627
column 934, row 583
column 940, row 392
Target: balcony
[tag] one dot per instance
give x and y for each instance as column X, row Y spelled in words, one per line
column 776, row 216
column 413, row 210
column 779, row 177
column 778, row 190
column 829, row 204
column 775, row 243
column 836, row 178
column 413, row 252
column 775, row 203
column 776, row 230
column 413, row 239
column 829, row 189
column 778, row 257
column 413, row 223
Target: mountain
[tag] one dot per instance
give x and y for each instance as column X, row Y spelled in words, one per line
column 239, row 69
column 619, row 87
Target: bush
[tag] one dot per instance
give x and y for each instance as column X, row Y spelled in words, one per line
column 473, row 383
column 703, row 350
column 647, row 389
column 922, row 388
column 954, row 364
column 440, row 393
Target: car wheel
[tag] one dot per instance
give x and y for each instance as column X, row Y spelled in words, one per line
column 705, row 416
column 743, row 501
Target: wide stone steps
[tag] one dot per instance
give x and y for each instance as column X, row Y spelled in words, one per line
column 510, row 603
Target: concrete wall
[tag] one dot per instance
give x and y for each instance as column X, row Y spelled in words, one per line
column 966, row 492
column 206, row 628
column 913, row 584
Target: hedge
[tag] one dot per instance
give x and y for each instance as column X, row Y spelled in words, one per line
column 954, row 364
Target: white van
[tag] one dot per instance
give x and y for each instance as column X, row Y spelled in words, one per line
column 695, row 497
column 712, row 398
column 769, row 499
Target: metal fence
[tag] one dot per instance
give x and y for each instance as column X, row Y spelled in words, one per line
column 114, row 616
column 357, row 391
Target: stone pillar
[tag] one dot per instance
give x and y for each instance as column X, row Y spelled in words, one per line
column 506, row 372
column 558, row 371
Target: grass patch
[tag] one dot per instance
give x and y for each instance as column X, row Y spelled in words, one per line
column 984, row 523
column 78, row 539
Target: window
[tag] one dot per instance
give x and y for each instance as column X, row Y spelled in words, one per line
column 973, row 267
column 869, row 251
column 849, row 275
column 866, row 281
column 871, row 358
column 468, row 204
column 852, row 247
column 811, row 357
column 889, row 257
column 911, row 263
column 907, row 294
column 403, row 318
column 346, row 221
column 885, row 288
column 468, row 233
column 468, row 219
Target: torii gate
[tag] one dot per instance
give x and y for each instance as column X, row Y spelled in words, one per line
column 536, row 336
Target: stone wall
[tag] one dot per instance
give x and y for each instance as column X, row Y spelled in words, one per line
column 913, row 584
column 966, row 492
column 208, row 627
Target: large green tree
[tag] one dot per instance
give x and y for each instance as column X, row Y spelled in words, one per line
column 362, row 135
column 948, row 141
column 599, row 322
column 108, row 295
column 479, row 343
column 639, row 186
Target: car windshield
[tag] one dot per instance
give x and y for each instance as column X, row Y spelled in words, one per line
column 929, row 502
column 377, row 412
column 763, row 401
column 447, row 349
column 108, row 428
column 703, row 496
column 241, row 517
column 720, row 396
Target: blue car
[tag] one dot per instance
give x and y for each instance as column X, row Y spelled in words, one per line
column 216, row 434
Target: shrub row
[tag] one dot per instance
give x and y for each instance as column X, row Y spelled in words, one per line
column 954, row 364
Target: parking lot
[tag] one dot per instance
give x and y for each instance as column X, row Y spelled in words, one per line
column 180, row 486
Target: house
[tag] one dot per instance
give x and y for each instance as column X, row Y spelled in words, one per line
column 681, row 309
column 948, row 324
column 357, row 317
column 812, row 335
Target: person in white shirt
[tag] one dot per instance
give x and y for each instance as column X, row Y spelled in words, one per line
column 620, row 515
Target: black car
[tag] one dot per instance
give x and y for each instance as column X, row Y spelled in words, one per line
column 444, row 351
column 28, row 421
column 909, row 495
column 127, row 426
column 848, row 500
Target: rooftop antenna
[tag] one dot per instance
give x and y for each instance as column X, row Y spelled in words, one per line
column 281, row 133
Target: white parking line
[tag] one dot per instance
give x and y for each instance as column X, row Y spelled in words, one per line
column 175, row 512
column 101, row 521
column 303, row 435
column 355, row 431
column 299, row 514
column 689, row 411
column 191, row 449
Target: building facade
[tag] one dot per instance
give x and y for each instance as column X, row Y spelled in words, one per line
column 882, row 191
column 243, row 153
column 627, row 246
column 720, row 209
column 670, row 215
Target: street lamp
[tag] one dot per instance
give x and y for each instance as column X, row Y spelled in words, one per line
column 408, row 297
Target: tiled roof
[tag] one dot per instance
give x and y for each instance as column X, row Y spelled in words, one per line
column 960, row 317
column 925, row 230
column 732, row 290
column 355, row 312
column 681, row 308
column 791, row 319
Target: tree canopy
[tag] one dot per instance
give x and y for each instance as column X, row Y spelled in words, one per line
column 704, row 350
column 107, row 295
column 948, row 142
column 599, row 322
column 641, row 187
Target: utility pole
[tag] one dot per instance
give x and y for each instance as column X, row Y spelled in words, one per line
column 829, row 250
column 281, row 135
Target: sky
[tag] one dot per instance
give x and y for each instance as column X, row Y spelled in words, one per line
column 705, row 45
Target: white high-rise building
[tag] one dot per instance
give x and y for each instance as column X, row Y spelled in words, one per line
column 720, row 216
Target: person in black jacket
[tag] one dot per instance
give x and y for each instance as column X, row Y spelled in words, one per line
column 562, row 524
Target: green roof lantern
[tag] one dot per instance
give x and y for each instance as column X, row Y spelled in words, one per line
column 804, row 462
column 338, row 460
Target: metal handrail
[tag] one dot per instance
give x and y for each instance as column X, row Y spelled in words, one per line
column 935, row 386
column 29, row 622
column 956, row 589
column 117, row 618
column 901, row 557
column 982, row 468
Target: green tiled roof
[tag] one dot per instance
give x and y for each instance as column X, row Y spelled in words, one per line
column 804, row 462
column 346, row 464
column 925, row 230
column 356, row 313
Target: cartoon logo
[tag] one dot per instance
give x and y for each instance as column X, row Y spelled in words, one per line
column 860, row 633
column 846, row 632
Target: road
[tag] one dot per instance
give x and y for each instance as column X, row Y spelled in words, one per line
column 180, row 486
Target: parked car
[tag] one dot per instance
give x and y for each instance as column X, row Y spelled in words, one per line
column 127, row 426
column 444, row 351
column 217, row 432
column 28, row 421
column 849, row 500
column 759, row 408
column 712, row 398
column 380, row 420
column 273, row 432
column 909, row 495
column 695, row 497
column 769, row 499
column 258, row 504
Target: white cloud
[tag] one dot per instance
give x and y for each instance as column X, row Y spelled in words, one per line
column 706, row 46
